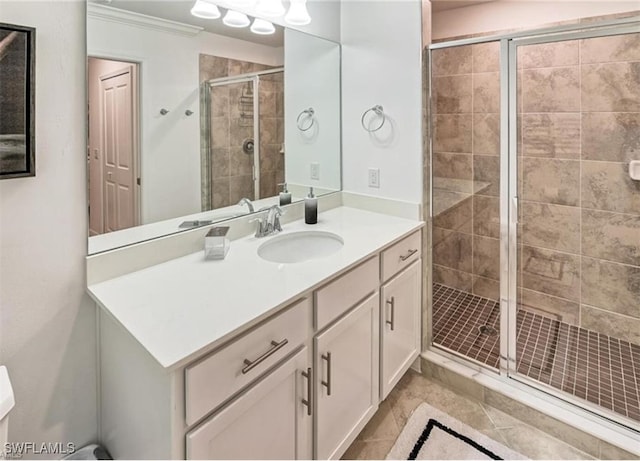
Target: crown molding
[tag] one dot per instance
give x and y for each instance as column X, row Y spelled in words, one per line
column 108, row 13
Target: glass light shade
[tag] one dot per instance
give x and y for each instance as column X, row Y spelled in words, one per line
column 298, row 14
column 270, row 8
column 204, row 9
column 235, row 19
column 262, row 27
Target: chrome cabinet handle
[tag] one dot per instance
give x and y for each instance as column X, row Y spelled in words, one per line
column 307, row 401
column 275, row 346
column 392, row 303
column 327, row 383
column 408, row 255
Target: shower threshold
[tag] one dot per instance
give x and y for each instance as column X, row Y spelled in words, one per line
column 591, row 366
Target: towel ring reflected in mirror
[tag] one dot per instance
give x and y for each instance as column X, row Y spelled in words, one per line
column 377, row 110
column 307, row 114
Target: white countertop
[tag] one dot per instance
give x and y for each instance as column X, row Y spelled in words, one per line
column 181, row 308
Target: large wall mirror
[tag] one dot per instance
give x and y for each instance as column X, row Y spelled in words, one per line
column 188, row 117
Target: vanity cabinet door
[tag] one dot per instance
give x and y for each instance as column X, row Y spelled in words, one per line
column 346, row 381
column 269, row 421
column 400, row 326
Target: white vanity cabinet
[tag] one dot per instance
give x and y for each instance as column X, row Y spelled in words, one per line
column 346, row 358
column 399, row 327
column 400, row 300
column 301, row 383
column 269, row 421
column 220, row 405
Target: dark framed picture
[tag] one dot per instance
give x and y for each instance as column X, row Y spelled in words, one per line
column 17, row 101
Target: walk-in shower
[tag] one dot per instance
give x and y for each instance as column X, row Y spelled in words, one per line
column 535, row 219
column 242, row 131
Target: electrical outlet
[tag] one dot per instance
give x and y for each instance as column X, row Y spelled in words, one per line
column 315, row 170
column 374, row 177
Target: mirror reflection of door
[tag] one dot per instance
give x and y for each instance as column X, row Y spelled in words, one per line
column 113, row 160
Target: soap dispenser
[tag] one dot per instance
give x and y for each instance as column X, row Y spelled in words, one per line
column 285, row 195
column 311, row 208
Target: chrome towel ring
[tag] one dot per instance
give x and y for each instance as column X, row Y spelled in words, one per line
column 379, row 111
column 305, row 114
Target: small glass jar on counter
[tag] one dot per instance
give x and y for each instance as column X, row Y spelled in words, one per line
column 216, row 243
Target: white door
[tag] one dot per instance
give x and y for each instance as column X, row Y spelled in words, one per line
column 400, row 326
column 117, row 140
column 269, row 421
column 346, row 381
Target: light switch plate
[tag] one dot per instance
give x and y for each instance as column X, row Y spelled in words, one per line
column 315, row 170
column 374, row 177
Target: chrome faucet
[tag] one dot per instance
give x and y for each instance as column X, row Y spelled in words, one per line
column 246, row 201
column 269, row 224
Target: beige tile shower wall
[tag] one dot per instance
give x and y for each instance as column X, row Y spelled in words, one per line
column 231, row 169
column 466, row 144
column 271, row 133
column 580, row 213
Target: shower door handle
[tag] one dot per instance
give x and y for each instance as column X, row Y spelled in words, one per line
column 515, row 210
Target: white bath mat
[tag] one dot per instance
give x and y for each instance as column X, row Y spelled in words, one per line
column 432, row 434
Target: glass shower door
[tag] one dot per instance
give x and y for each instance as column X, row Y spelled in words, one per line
column 244, row 151
column 465, row 89
column 271, row 121
column 234, row 141
column 575, row 114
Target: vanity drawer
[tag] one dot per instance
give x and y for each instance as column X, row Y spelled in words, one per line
column 401, row 255
column 340, row 295
column 214, row 379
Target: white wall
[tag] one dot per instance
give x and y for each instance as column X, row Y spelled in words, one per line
column 381, row 49
column 520, row 14
column 312, row 79
column 169, row 78
column 47, row 322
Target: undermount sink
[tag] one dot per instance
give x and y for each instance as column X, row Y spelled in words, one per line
column 301, row 246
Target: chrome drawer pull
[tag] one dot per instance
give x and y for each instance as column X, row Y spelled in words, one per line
column 275, row 346
column 327, row 383
column 392, row 303
column 408, row 255
column 307, row 401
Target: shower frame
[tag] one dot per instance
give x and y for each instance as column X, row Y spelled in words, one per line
column 508, row 198
column 205, row 125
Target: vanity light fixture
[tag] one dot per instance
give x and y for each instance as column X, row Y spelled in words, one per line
column 262, row 27
column 235, row 19
column 270, row 8
column 205, row 9
column 298, row 14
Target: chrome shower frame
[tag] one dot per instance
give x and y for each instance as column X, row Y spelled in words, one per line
column 205, row 126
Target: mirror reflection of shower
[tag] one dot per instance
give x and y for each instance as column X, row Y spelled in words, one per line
column 246, row 134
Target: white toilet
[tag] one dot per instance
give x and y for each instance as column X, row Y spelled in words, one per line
column 6, row 404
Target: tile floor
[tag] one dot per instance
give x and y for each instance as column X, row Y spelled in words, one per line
column 379, row 435
column 583, row 363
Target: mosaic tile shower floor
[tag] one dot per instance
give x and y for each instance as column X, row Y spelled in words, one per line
column 583, row 363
